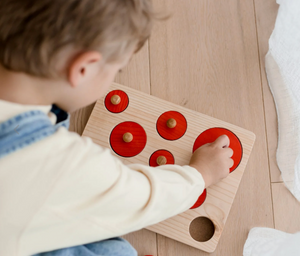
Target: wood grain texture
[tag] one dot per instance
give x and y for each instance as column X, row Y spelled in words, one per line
column 137, row 75
column 145, row 110
column 79, row 119
column 266, row 12
column 286, row 209
column 205, row 57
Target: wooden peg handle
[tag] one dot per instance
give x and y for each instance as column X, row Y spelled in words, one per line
column 115, row 99
column 171, row 123
column 127, row 137
column 161, row 160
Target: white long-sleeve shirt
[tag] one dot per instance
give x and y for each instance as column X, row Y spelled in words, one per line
column 65, row 191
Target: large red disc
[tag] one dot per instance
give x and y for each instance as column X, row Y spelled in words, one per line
column 168, row 155
column 171, row 133
column 212, row 134
column 200, row 200
column 128, row 149
column 121, row 106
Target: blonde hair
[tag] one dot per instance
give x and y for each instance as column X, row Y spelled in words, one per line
column 34, row 32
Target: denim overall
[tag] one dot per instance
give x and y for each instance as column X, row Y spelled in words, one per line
column 33, row 126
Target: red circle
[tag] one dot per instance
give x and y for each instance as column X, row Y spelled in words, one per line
column 161, row 152
column 200, row 200
column 121, row 106
column 212, row 134
column 128, row 149
column 171, row 133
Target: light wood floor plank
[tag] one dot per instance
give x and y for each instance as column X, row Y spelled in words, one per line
column 79, row 119
column 206, row 58
column 137, row 73
column 266, row 12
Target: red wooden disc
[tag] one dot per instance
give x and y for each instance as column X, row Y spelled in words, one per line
column 171, row 133
column 121, row 106
column 212, row 134
column 200, row 200
column 128, row 149
column 168, row 155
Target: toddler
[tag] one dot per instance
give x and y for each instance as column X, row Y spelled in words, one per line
column 61, row 194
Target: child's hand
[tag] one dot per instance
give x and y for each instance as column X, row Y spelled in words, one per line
column 213, row 160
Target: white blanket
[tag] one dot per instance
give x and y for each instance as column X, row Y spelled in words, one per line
column 271, row 242
column 284, row 48
column 283, row 72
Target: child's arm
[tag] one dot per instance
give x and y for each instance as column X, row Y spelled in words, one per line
column 97, row 197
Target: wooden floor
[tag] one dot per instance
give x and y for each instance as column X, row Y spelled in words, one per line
column 209, row 57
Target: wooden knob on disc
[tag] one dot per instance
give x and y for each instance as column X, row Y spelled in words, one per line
column 171, row 123
column 115, row 99
column 127, row 137
column 161, row 160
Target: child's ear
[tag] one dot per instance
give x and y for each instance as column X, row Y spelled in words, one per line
column 84, row 67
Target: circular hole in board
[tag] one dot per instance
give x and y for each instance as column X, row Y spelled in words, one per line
column 174, row 132
column 117, row 107
column 202, row 229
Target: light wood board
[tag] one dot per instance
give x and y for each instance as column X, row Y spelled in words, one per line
column 145, row 110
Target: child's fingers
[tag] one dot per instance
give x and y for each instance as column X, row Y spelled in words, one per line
column 231, row 162
column 223, row 141
column 230, row 152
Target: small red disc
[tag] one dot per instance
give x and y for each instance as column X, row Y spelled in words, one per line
column 121, row 106
column 212, row 134
column 200, row 200
column 168, row 155
column 171, row 133
column 132, row 148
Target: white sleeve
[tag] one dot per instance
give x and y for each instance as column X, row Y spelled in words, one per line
column 97, row 197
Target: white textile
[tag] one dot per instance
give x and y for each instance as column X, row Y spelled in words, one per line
column 284, row 82
column 271, row 242
column 283, row 71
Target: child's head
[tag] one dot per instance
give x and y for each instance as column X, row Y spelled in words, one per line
column 83, row 42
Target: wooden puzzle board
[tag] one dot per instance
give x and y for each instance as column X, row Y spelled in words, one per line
column 145, row 110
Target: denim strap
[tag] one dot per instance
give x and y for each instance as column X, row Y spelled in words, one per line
column 25, row 129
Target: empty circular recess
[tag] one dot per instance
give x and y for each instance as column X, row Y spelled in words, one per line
column 212, row 134
column 134, row 146
column 164, row 153
column 178, row 125
column 118, row 106
column 202, row 229
column 200, row 200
